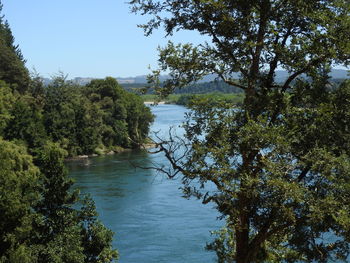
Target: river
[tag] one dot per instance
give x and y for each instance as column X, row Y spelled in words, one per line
column 151, row 221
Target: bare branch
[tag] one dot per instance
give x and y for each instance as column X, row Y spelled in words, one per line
column 226, row 49
column 301, row 71
column 304, row 173
column 274, row 62
column 230, row 82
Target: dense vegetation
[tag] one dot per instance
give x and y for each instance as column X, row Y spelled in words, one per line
column 276, row 168
column 12, row 68
column 93, row 118
column 186, row 99
column 82, row 119
column 194, row 88
column 41, row 218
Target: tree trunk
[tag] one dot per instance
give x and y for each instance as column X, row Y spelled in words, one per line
column 242, row 242
column 242, row 231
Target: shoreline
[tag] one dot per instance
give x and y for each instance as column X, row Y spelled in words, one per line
column 82, row 157
column 154, row 102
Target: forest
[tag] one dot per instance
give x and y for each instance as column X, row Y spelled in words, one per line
column 273, row 162
column 41, row 218
column 95, row 118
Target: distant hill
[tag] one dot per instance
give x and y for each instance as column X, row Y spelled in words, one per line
column 78, row 81
column 281, row 75
column 138, row 79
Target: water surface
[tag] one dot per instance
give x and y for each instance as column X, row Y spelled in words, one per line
column 152, row 222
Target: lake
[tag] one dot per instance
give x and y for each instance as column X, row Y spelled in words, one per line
column 151, row 221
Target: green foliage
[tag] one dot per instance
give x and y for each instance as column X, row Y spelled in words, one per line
column 67, row 118
column 197, row 88
column 81, row 119
column 246, row 37
column 6, row 103
column 97, row 238
column 56, row 183
column 66, row 234
column 39, row 216
column 280, row 162
column 125, row 119
column 19, row 180
column 101, row 114
column 187, row 99
column 40, row 221
column 297, row 183
column 12, row 68
column 26, row 123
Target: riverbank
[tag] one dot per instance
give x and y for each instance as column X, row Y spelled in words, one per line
column 115, row 150
column 185, row 99
column 154, row 102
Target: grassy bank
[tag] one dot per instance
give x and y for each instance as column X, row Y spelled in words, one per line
column 171, row 99
column 184, row 99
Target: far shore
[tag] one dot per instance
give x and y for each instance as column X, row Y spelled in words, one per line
column 83, row 157
column 153, row 102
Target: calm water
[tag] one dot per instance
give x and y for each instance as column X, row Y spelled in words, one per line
column 152, row 222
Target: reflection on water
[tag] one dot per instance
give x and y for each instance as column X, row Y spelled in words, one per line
column 152, row 222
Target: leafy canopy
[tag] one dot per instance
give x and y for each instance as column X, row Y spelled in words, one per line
column 280, row 162
column 40, row 216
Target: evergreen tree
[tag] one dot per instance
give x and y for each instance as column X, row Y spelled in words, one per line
column 40, row 216
column 26, row 123
column 67, row 234
column 6, row 103
column 12, row 63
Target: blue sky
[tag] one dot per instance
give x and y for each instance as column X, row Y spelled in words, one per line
column 85, row 38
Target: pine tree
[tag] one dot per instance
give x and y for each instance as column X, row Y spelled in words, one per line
column 12, row 63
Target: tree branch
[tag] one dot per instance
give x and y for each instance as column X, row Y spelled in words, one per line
column 301, row 71
column 224, row 48
column 254, row 70
column 230, row 82
column 274, row 62
column 304, row 173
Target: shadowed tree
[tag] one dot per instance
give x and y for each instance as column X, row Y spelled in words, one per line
column 67, row 234
column 280, row 162
column 19, row 181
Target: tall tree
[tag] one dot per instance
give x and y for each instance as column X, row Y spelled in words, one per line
column 12, row 63
column 26, row 122
column 279, row 163
column 40, row 218
column 65, row 233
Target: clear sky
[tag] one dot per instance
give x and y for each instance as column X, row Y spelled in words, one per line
column 84, row 38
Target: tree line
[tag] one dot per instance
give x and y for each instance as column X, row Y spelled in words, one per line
column 194, row 88
column 41, row 218
column 95, row 118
